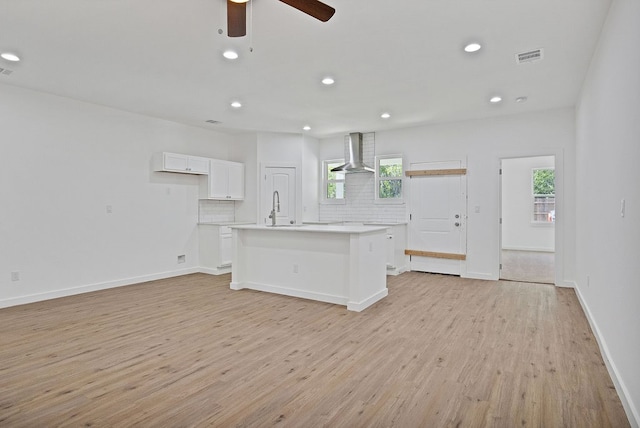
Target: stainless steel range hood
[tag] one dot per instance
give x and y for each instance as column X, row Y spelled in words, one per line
column 355, row 162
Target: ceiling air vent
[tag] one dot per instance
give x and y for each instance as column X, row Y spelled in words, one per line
column 5, row 71
column 529, row 56
column 214, row 122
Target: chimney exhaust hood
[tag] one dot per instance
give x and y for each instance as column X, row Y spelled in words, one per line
column 355, row 162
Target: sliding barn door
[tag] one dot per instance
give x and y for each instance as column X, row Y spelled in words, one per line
column 437, row 235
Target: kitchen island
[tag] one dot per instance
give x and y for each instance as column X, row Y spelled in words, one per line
column 344, row 265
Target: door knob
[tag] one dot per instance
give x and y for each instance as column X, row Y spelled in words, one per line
column 457, row 215
column 457, row 224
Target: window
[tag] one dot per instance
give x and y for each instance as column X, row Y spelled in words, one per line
column 544, row 195
column 333, row 182
column 389, row 178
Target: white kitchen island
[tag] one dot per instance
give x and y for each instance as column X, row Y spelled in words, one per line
column 345, row 265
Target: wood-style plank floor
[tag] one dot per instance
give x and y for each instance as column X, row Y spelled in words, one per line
column 439, row 351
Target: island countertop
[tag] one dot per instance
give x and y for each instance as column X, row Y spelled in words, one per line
column 319, row 228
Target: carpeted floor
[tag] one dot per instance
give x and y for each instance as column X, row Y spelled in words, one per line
column 528, row 266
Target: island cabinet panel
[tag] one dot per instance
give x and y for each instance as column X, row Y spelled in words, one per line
column 345, row 267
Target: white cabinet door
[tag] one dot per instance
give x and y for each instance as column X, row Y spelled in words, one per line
column 225, row 181
column 197, row 165
column 236, row 180
column 218, row 180
column 175, row 162
column 226, row 242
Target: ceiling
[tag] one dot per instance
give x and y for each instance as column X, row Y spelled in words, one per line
column 164, row 59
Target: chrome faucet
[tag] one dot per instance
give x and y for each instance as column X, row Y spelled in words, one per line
column 274, row 206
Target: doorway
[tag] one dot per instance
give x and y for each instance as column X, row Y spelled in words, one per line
column 437, row 221
column 280, row 179
column 527, row 232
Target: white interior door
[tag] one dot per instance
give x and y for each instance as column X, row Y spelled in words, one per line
column 282, row 180
column 438, row 217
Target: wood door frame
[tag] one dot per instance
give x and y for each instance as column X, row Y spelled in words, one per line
column 298, row 188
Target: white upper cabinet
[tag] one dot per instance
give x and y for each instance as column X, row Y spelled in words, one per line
column 174, row 162
column 225, row 181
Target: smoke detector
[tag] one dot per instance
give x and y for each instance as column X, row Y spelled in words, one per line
column 529, row 56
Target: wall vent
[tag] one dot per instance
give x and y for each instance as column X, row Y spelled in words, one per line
column 529, row 56
column 5, row 71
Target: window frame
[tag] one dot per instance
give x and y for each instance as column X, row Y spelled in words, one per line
column 325, row 183
column 393, row 201
column 535, row 195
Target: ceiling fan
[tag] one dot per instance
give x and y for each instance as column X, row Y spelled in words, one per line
column 237, row 13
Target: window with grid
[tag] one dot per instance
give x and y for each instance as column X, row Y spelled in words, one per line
column 389, row 178
column 333, row 182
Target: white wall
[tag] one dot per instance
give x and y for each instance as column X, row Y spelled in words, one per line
column 61, row 163
column 608, row 245
column 283, row 149
column 359, row 204
column 310, row 179
column 519, row 232
column 483, row 143
column 245, row 149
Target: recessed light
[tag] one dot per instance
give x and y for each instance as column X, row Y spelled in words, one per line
column 10, row 56
column 307, row 128
column 240, row 1
column 472, row 47
column 495, row 99
column 328, row 81
column 229, row 54
column 521, row 99
column 385, row 115
column 236, row 104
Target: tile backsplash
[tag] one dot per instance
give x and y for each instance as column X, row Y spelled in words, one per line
column 211, row 211
column 360, row 190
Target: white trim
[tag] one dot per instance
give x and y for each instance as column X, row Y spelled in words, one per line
column 327, row 298
column 625, row 397
column 324, row 181
column 364, row 304
column 376, row 185
column 537, row 249
column 65, row 292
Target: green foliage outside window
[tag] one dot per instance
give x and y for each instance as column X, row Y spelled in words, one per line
column 334, row 181
column 544, row 182
column 390, row 178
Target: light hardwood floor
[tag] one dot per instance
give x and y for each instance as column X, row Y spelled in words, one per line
column 439, row 351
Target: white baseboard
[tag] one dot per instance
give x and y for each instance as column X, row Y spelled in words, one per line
column 479, row 275
column 629, row 407
column 31, row 298
column 216, row 271
column 537, row 249
column 361, row 306
column 567, row 284
column 327, row 298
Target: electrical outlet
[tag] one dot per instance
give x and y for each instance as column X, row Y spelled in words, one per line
column 295, row 268
column 15, row 276
column 588, row 281
column 109, row 209
column 182, row 258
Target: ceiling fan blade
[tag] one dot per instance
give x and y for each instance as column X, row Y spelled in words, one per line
column 236, row 19
column 313, row 8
